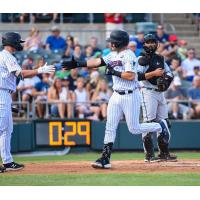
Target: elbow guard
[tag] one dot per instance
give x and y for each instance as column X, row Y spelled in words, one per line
column 141, row 76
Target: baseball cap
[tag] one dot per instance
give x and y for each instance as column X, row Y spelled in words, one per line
column 132, row 43
column 55, row 29
column 182, row 42
column 173, row 38
column 160, row 27
column 65, row 78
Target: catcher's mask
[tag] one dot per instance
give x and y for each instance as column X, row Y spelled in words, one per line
column 13, row 39
column 150, row 44
column 119, row 38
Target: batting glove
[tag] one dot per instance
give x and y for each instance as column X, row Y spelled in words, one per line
column 46, row 69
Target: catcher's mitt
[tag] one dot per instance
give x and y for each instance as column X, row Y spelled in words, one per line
column 164, row 82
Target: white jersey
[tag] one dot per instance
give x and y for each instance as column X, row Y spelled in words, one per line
column 143, row 69
column 123, row 62
column 8, row 65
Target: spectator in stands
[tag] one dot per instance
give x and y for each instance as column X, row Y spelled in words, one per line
column 39, row 92
column 176, row 93
column 94, row 44
column 133, row 47
column 26, row 85
column 27, row 17
column 78, row 52
column 39, row 62
column 189, row 64
column 94, row 77
column 70, row 46
column 73, row 79
column 113, row 21
column 28, row 63
column 101, row 97
column 170, row 50
column 176, row 68
column 83, row 107
column 55, row 42
column 46, row 17
column 194, row 95
column 58, row 95
column 182, row 49
column 34, row 41
column 88, row 52
column 138, row 39
column 161, row 36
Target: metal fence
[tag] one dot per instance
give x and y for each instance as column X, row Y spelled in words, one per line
column 30, row 113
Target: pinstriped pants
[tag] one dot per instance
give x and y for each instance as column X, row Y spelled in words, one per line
column 6, row 126
column 129, row 105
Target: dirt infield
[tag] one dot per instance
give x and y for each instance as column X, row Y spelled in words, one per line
column 135, row 166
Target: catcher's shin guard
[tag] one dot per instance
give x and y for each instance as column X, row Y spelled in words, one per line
column 148, row 144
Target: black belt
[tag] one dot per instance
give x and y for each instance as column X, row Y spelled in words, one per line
column 154, row 89
column 121, row 92
column 9, row 91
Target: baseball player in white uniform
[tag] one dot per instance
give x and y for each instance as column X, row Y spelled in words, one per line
column 150, row 67
column 126, row 97
column 9, row 72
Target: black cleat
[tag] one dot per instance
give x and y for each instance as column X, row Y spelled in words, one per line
column 167, row 157
column 151, row 159
column 13, row 166
column 101, row 163
column 2, row 169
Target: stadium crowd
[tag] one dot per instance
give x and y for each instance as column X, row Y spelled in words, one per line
column 84, row 93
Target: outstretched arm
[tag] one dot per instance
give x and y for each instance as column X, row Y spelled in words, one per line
column 31, row 73
column 91, row 63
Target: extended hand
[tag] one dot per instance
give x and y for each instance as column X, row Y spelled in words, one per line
column 46, row 69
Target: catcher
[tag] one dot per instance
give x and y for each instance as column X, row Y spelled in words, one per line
column 155, row 77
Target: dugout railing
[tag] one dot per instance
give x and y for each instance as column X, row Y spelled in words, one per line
column 30, row 112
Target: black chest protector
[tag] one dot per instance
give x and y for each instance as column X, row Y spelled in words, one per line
column 156, row 61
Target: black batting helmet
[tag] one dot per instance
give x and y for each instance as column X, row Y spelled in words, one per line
column 119, row 38
column 152, row 48
column 13, row 39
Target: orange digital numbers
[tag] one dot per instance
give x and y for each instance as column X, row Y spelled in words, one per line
column 70, row 133
column 85, row 133
column 78, row 132
column 52, row 142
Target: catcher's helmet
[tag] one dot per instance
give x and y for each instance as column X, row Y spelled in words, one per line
column 119, row 38
column 12, row 39
column 152, row 48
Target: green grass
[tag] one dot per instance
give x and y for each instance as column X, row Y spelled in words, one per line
column 102, row 180
column 93, row 156
column 189, row 179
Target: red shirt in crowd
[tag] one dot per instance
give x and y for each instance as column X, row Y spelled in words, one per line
column 115, row 18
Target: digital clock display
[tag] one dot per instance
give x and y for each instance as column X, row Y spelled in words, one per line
column 63, row 133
